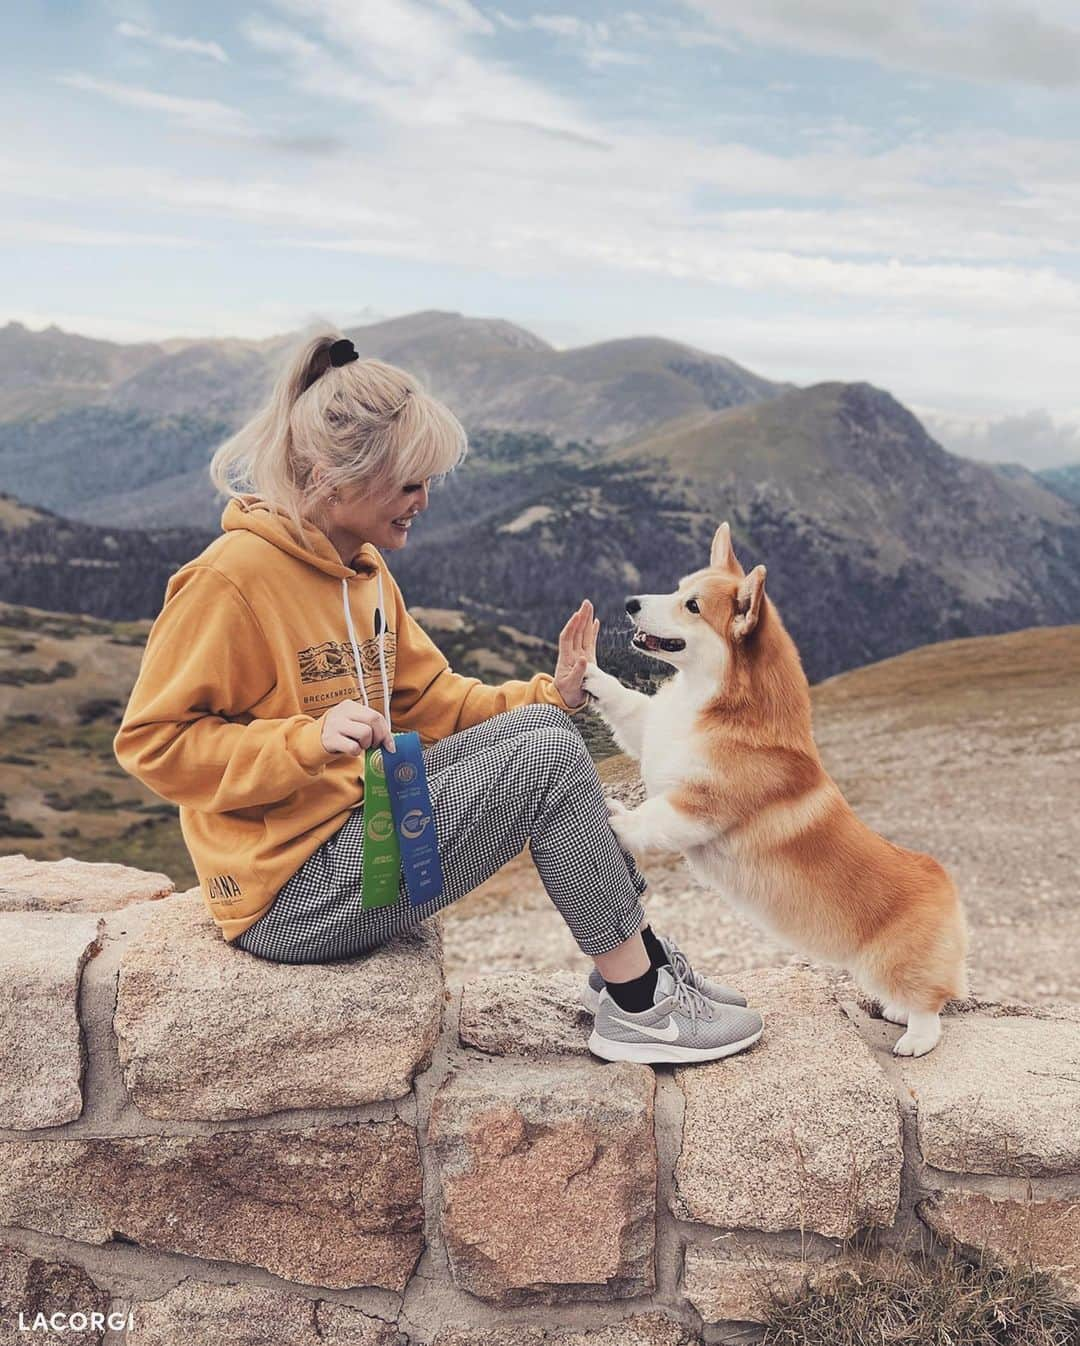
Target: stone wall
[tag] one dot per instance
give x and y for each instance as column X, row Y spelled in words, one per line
column 202, row 1147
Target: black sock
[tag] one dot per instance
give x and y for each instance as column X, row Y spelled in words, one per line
column 634, row 995
column 653, row 947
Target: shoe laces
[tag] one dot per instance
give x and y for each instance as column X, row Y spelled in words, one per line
column 680, row 962
column 687, row 995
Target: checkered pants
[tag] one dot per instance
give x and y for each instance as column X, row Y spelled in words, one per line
column 524, row 775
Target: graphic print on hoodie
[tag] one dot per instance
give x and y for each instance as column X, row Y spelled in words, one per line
column 251, row 648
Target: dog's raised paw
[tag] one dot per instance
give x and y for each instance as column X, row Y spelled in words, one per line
column 615, row 805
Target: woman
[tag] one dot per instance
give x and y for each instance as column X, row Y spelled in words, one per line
column 274, row 662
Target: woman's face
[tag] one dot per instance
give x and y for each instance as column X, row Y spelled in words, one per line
column 356, row 518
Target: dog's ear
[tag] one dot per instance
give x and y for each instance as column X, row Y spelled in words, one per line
column 722, row 555
column 751, row 596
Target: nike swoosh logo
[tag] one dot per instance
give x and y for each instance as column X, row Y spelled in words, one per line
column 666, row 1034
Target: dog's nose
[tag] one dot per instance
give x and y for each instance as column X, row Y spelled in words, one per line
column 633, row 605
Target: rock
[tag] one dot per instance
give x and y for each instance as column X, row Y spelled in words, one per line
column 1000, row 1095
column 76, row 885
column 209, row 1031
column 38, row 1285
column 248, row 1315
column 643, row 1329
column 736, row 1286
column 525, row 1014
column 332, row 1205
column 548, row 1176
column 802, row 1131
column 42, row 955
column 1042, row 1234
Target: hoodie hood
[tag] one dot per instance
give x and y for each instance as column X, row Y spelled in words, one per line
column 256, row 515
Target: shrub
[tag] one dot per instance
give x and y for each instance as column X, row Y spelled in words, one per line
column 924, row 1301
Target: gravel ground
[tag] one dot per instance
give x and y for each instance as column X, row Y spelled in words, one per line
column 987, row 783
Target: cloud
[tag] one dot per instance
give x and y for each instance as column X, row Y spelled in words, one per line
column 1033, row 438
column 412, row 64
column 965, row 38
column 193, row 114
column 190, row 46
column 36, row 232
column 590, row 39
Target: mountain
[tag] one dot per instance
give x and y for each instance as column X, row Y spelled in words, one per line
column 48, row 369
column 168, row 406
column 1063, row 481
column 100, row 464
column 875, row 538
column 68, row 567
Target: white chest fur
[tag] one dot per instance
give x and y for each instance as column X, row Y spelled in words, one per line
column 669, row 751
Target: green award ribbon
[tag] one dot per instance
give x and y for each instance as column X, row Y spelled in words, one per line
column 381, row 853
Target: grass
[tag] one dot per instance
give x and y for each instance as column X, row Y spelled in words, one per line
column 923, row 1300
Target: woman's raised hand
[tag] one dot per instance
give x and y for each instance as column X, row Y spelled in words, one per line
column 351, row 727
column 577, row 649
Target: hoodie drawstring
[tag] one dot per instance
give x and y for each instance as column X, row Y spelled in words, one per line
column 380, row 622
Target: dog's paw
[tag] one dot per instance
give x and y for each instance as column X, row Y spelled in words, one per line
column 894, row 1014
column 595, row 681
column 626, row 828
column 917, row 1042
column 614, row 805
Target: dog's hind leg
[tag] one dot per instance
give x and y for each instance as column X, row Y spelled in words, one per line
column 894, row 1014
column 622, row 709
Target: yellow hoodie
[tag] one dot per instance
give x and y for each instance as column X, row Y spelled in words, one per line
column 253, row 644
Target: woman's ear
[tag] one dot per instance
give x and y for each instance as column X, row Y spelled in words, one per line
column 751, row 596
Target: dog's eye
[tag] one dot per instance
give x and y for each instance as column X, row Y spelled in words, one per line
column 692, row 605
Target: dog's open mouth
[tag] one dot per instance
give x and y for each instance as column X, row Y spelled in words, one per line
column 644, row 641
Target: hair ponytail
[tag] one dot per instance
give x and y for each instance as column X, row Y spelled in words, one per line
column 364, row 423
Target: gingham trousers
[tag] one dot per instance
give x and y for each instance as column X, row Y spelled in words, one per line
column 524, row 775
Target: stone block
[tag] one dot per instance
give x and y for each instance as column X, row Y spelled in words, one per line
column 1041, row 1234
column 999, row 1095
column 548, row 1175
column 209, row 1031
column 526, row 1014
column 641, row 1329
column 33, row 1286
column 802, row 1131
column 724, row 1287
column 333, row 1205
column 76, row 885
column 42, row 955
column 199, row 1313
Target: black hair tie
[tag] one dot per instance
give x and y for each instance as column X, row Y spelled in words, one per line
column 342, row 352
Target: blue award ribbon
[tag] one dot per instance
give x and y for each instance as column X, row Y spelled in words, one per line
column 414, row 820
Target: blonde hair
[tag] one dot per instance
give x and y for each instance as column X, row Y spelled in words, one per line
column 364, row 423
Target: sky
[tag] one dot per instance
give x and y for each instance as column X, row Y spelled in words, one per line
column 877, row 190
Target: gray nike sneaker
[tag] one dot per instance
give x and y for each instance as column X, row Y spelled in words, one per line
column 725, row 995
column 683, row 1025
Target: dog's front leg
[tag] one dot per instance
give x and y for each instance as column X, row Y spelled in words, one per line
column 659, row 824
column 622, row 709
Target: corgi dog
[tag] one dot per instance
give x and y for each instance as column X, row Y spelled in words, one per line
column 734, row 781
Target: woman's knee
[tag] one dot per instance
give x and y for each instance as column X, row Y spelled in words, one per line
column 553, row 750
column 538, row 715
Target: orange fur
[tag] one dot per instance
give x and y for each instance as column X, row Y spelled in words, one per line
column 788, row 845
